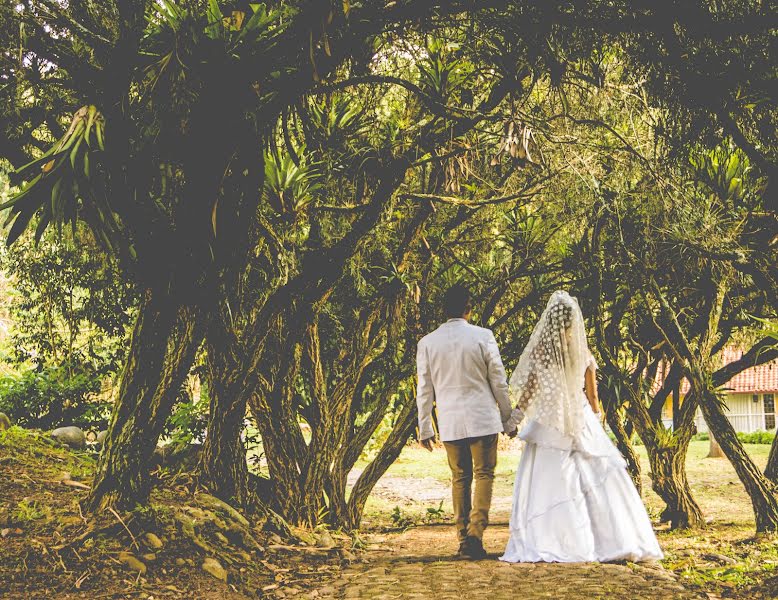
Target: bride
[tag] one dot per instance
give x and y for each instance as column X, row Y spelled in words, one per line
column 573, row 499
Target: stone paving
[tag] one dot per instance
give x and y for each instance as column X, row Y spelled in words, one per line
column 420, row 563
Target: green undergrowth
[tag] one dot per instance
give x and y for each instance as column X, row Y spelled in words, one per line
column 32, row 448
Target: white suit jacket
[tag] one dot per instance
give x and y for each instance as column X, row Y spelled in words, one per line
column 460, row 370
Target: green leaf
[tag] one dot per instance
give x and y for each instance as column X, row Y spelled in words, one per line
column 215, row 27
column 20, row 224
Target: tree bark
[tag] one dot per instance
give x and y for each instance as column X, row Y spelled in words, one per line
column 668, row 479
column 771, row 471
column 759, row 488
column 624, row 445
column 164, row 342
column 667, row 458
column 715, row 449
column 386, row 456
column 223, row 470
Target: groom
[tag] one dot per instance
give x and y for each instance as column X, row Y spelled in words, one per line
column 460, row 370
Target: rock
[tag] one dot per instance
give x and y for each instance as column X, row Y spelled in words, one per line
column 213, row 566
column 100, row 439
column 324, row 540
column 180, row 562
column 149, row 557
column 132, row 563
column 152, row 541
column 347, row 555
column 70, row 436
column 177, row 457
column 8, row 531
column 306, row 537
column 5, row 421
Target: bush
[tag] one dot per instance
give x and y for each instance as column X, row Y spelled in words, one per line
column 189, row 419
column 52, row 397
column 757, row 437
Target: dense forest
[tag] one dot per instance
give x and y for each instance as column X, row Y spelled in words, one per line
column 268, row 199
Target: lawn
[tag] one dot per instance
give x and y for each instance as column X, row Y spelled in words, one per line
column 714, row 482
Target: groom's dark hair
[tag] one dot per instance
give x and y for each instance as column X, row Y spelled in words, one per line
column 456, row 301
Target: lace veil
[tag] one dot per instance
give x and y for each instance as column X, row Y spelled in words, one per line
column 547, row 385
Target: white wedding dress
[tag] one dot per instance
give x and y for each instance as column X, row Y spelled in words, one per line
column 573, row 499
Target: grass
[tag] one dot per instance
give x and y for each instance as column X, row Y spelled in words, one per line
column 713, row 480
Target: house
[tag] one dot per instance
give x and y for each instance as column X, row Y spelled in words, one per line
column 749, row 398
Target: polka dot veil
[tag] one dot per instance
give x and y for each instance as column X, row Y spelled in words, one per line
column 547, row 384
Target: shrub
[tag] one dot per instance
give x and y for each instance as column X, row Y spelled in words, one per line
column 52, row 397
column 189, row 420
column 757, row 437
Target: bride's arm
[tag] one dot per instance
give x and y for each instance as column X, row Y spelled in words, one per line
column 590, row 381
column 517, row 415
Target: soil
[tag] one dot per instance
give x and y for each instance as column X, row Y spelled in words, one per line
column 50, row 549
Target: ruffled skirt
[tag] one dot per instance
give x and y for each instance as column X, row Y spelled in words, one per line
column 575, row 501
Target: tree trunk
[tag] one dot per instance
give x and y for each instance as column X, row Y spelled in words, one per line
column 771, row 471
column 715, row 449
column 164, row 342
column 624, row 445
column 223, row 469
column 760, row 489
column 375, row 470
column 667, row 459
column 668, row 480
column 283, row 444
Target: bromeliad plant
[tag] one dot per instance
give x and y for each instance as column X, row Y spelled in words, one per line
column 290, row 187
column 64, row 184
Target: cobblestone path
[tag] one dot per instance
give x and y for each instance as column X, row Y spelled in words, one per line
column 420, row 564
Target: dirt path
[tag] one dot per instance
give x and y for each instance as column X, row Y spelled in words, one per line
column 420, row 563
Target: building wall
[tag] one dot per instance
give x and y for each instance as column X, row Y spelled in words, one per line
column 744, row 413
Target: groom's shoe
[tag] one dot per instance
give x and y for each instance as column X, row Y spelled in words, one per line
column 472, row 548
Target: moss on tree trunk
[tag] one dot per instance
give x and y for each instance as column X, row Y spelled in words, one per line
column 163, row 345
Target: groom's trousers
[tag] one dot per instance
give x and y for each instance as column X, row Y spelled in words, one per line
column 472, row 458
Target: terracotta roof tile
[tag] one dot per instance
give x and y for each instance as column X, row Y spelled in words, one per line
column 756, row 380
column 762, row 378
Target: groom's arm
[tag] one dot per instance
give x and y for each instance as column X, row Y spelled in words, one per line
column 498, row 380
column 425, row 394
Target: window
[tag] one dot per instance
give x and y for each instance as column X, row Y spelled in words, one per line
column 769, row 411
